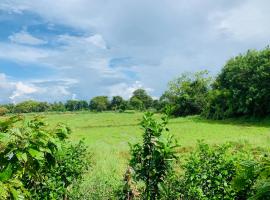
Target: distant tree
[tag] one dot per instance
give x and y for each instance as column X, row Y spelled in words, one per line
column 83, row 105
column 42, row 107
column 3, row 111
column 31, row 106
column 99, row 103
column 9, row 106
column 118, row 104
column 136, row 103
column 142, row 96
column 74, row 105
column 58, row 106
column 187, row 95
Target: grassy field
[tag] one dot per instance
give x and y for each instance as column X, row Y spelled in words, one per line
column 107, row 135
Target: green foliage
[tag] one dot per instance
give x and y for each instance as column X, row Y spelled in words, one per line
column 37, row 162
column 187, row 94
column 152, row 160
column 118, row 104
column 253, row 179
column 31, row 106
column 140, row 100
column 99, row 103
column 74, row 105
column 136, row 104
column 242, row 88
column 3, row 111
column 208, row 174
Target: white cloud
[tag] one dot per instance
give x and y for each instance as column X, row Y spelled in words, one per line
column 22, row 90
column 97, row 40
column 21, row 53
column 125, row 90
column 42, row 90
column 248, row 21
column 24, row 37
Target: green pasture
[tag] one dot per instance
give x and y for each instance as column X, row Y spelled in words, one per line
column 107, row 135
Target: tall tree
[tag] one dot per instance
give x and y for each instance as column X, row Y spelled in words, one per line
column 99, row 103
column 141, row 95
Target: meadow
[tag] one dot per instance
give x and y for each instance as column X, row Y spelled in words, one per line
column 107, row 135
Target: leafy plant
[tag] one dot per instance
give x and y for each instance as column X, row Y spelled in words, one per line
column 152, row 160
column 208, row 174
column 38, row 162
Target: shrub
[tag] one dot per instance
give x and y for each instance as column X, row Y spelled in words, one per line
column 253, row 179
column 3, row 111
column 36, row 161
column 151, row 161
column 208, row 173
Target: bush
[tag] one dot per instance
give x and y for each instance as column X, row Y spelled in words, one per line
column 3, row 111
column 208, row 173
column 151, row 161
column 37, row 162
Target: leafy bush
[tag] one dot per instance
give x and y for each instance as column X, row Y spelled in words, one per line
column 151, row 161
column 208, row 173
column 37, row 162
column 3, row 111
column 253, row 179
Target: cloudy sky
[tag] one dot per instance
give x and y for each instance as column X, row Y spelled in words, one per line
column 66, row 49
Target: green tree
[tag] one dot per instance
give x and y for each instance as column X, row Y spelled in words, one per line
column 242, row 88
column 99, row 103
column 136, row 103
column 141, row 94
column 187, row 95
column 118, row 103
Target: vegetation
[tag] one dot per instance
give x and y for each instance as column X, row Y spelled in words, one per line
column 152, row 160
column 187, row 94
column 242, row 88
column 37, row 162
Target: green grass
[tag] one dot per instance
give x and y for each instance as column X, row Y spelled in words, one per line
column 107, row 135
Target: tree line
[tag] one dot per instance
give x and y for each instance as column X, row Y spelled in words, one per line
column 140, row 100
column 242, row 88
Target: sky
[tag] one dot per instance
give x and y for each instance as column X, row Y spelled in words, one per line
column 76, row 49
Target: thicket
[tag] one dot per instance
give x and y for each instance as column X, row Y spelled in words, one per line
column 242, row 88
column 37, row 162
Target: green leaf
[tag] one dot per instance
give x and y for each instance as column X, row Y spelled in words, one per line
column 36, row 154
column 6, row 174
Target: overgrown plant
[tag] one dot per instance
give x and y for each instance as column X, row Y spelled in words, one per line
column 37, row 162
column 152, row 160
column 208, row 174
column 253, row 179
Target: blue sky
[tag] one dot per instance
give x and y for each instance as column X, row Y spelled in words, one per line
column 67, row 49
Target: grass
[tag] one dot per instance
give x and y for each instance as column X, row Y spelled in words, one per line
column 108, row 134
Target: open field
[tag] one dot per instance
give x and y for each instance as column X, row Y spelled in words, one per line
column 107, row 135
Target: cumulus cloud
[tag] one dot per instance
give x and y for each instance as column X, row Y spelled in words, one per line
column 43, row 90
column 125, row 90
